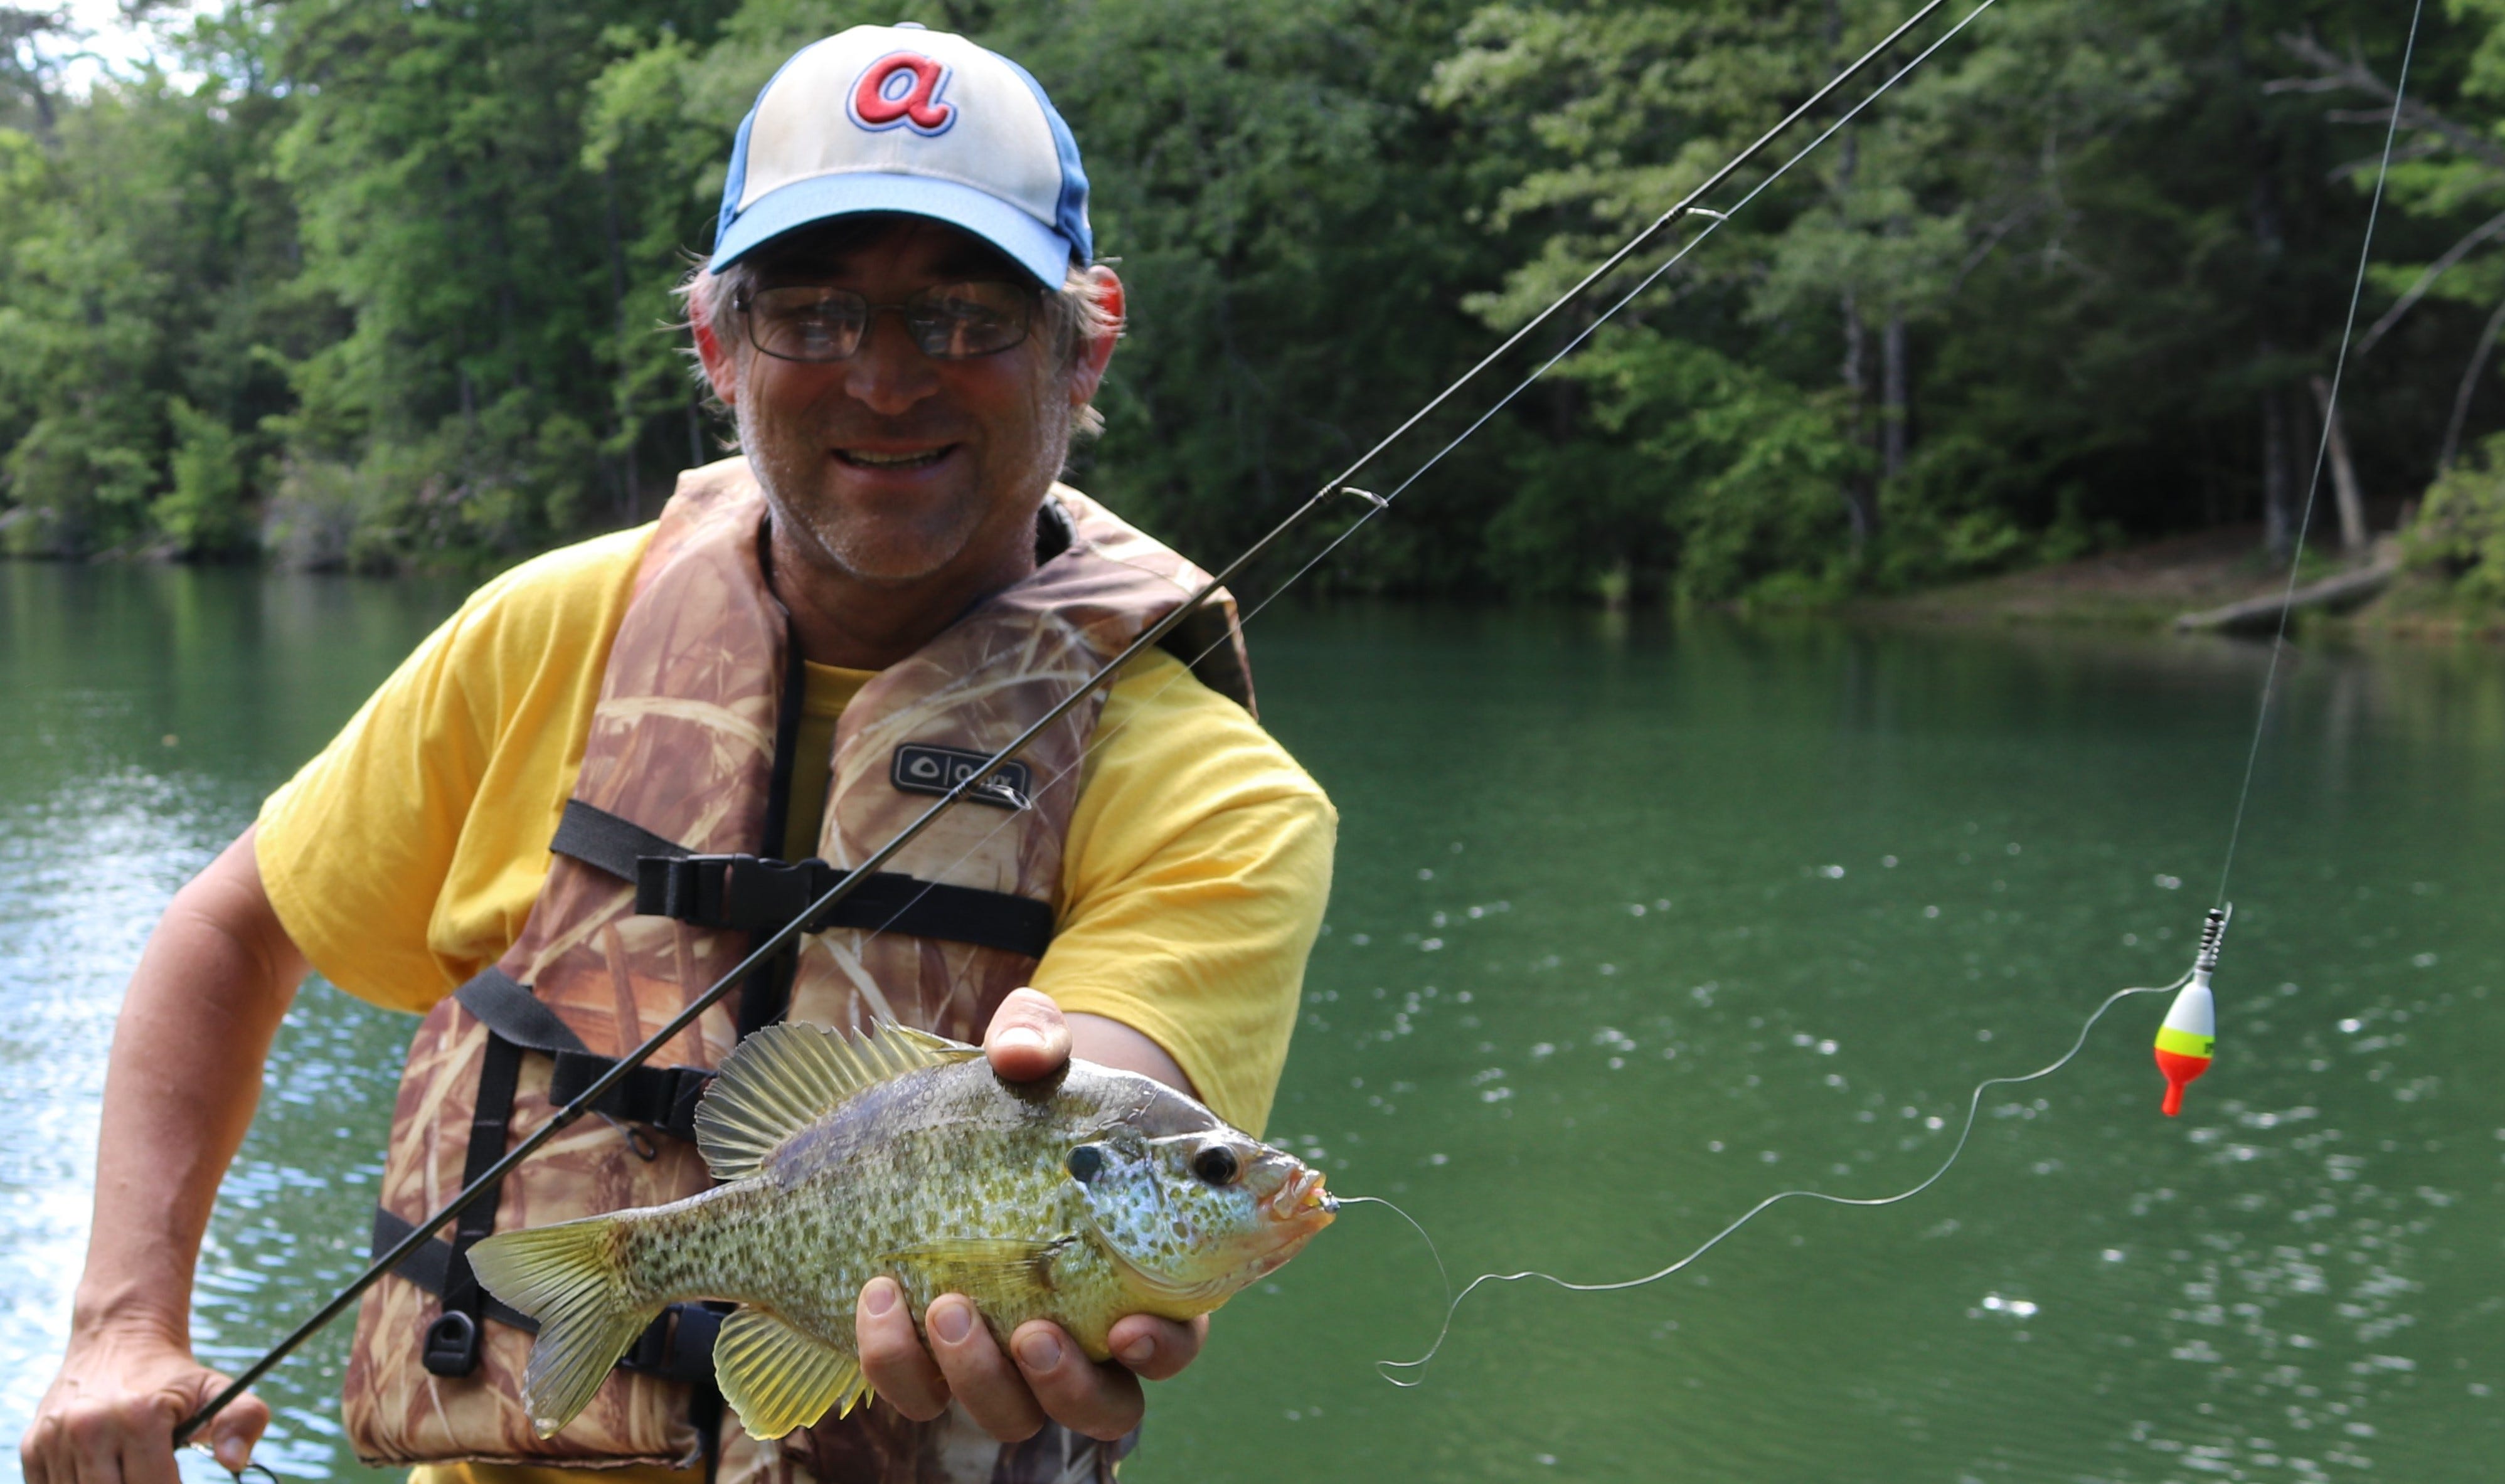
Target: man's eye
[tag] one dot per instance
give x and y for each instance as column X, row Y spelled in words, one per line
column 964, row 311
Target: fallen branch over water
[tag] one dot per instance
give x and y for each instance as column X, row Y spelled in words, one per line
column 2262, row 614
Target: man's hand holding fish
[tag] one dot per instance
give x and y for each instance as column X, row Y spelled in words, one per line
column 1010, row 1389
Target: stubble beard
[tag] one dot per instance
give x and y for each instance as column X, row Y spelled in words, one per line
column 896, row 550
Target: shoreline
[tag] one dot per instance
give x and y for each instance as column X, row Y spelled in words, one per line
column 2150, row 589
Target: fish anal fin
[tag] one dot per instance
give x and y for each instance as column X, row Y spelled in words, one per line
column 787, row 1077
column 777, row 1378
column 997, row 1273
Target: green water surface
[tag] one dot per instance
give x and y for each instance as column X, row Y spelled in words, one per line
column 1636, row 924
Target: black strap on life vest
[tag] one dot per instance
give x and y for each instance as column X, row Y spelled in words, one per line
column 755, row 895
column 450, row 1344
column 758, row 894
column 661, row 1098
column 677, row 1346
column 518, row 1023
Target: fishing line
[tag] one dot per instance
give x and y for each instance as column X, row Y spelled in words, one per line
column 1973, row 1108
column 773, row 945
column 1974, row 1101
column 1378, row 503
column 2322, row 451
column 1442, row 1275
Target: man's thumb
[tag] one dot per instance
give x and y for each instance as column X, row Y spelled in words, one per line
column 239, row 1426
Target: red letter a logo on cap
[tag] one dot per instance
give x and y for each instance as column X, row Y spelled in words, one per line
column 902, row 87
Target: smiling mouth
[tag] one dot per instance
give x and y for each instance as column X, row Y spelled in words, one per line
column 863, row 458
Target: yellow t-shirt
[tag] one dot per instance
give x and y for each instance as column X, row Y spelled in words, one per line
column 405, row 858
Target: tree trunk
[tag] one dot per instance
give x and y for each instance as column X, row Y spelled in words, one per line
column 1860, row 496
column 2462, row 396
column 2267, row 292
column 1892, row 398
column 2279, row 495
column 2343, row 473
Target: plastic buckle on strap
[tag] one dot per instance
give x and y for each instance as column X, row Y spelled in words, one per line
column 746, row 892
column 452, row 1346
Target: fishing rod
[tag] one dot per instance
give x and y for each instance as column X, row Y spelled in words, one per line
column 852, row 881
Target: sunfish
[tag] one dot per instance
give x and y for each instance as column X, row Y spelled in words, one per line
column 1076, row 1199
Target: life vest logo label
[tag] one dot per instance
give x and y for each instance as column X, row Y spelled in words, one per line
column 902, row 87
column 920, row 767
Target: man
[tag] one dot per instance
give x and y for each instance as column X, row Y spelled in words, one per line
column 902, row 313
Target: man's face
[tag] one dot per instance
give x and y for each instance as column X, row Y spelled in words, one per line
column 893, row 466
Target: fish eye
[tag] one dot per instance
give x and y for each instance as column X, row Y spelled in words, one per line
column 1214, row 1164
column 1086, row 1162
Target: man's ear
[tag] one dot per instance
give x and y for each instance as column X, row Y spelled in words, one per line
column 719, row 369
column 1087, row 366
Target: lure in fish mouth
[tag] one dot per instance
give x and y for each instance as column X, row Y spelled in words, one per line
column 848, row 1157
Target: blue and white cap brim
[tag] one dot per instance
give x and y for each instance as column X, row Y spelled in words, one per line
column 1044, row 253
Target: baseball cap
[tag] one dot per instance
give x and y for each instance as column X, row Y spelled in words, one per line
column 907, row 120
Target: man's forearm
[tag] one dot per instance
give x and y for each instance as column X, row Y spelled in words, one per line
column 211, row 987
column 1110, row 1043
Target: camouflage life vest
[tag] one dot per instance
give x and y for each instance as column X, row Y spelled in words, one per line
column 653, row 894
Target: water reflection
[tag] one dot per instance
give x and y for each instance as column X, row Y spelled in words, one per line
column 149, row 711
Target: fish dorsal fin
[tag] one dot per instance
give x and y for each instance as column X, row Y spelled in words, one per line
column 777, row 1378
column 788, row 1076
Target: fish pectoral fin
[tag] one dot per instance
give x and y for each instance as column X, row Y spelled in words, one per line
column 787, row 1077
column 993, row 1272
column 777, row 1378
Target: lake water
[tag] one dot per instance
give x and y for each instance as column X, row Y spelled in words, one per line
column 1636, row 924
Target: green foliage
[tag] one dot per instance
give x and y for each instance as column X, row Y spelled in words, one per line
column 2460, row 530
column 202, row 514
column 364, row 284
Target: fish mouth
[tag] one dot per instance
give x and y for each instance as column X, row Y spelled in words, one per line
column 1300, row 1198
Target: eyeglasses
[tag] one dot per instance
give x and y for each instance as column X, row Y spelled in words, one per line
column 950, row 322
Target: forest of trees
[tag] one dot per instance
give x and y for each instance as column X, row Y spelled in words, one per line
column 383, row 283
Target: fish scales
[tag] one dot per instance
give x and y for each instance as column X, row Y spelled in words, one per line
column 1077, row 1199
column 861, row 1195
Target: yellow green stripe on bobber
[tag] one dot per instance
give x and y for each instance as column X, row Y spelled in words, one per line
column 2189, row 1038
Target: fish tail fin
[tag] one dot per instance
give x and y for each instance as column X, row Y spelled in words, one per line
column 569, row 1277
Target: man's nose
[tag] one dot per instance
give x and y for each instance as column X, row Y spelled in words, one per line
column 889, row 373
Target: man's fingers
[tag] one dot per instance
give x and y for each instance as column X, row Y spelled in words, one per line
column 35, row 1452
column 93, row 1446
column 891, row 1357
column 150, row 1460
column 1153, row 1348
column 237, row 1428
column 1026, row 1038
column 981, row 1377
column 1102, row 1402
